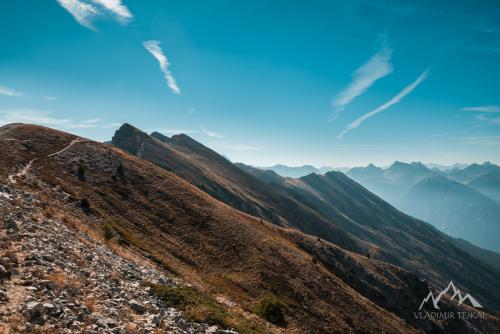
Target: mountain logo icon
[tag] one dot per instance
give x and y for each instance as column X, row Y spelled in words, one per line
column 456, row 294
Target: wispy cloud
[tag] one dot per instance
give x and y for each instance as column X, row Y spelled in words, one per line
column 154, row 48
column 242, row 147
column 91, row 121
column 178, row 131
column 85, row 11
column 377, row 67
column 116, row 7
column 42, row 117
column 488, row 108
column 398, row 97
column 32, row 116
column 81, row 11
column 50, row 98
column 488, row 113
column 111, row 125
column 9, row 91
column 481, row 140
column 203, row 130
column 210, row 133
column 488, row 118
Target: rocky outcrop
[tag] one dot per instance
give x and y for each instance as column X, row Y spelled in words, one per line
column 54, row 278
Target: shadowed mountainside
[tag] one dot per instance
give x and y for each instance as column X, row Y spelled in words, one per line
column 220, row 178
column 367, row 224
column 400, row 239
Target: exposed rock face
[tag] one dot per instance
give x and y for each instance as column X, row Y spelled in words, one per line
column 63, row 280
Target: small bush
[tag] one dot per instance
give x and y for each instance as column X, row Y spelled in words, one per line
column 81, row 173
column 199, row 306
column 85, row 204
column 107, row 231
column 120, row 171
column 273, row 310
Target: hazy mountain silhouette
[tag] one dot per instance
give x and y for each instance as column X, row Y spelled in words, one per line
column 446, row 167
column 455, row 201
column 485, row 178
column 298, row 171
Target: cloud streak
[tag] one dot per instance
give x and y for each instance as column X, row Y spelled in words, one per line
column 154, row 48
column 82, row 12
column 9, row 91
column 397, row 98
column 86, row 11
column 481, row 140
column 377, row 67
column 45, row 118
column 116, row 7
column 178, row 131
column 242, row 147
column 486, row 109
column 209, row 133
column 32, row 116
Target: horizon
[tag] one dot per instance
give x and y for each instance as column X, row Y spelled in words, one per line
column 383, row 166
column 330, row 84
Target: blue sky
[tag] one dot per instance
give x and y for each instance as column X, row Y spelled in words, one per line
column 339, row 83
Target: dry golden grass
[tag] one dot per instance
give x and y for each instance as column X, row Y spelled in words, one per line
column 177, row 226
column 62, row 281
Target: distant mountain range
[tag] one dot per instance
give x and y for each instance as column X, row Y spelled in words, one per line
column 446, row 167
column 463, row 203
column 299, row 171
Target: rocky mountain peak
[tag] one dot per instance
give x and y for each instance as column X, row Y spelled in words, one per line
column 161, row 137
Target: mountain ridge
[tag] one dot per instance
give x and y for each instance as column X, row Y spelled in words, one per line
column 145, row 206
column 352, row 216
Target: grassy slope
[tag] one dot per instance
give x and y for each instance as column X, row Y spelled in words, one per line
column 220, row 250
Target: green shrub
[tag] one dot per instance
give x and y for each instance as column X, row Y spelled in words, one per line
column 273, row 310
column 107, row 231
column 199, row 306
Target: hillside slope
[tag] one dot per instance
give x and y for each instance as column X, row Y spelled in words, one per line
column 237, row 259
column 228, row 254
column 221, row 179
column 332, row 207
column 399, row 239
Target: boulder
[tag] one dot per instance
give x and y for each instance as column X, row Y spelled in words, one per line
column 4, row 273
column 136, row 306
column 34, row 309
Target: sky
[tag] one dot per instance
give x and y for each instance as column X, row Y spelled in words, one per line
column 327, row 83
